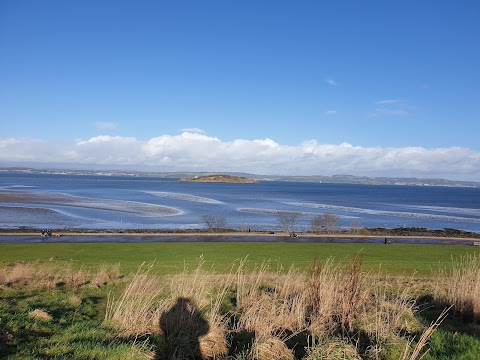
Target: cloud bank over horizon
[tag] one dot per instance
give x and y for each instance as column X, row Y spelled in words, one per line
column 196, row 151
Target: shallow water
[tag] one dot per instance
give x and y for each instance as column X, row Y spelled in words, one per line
column 100, row 202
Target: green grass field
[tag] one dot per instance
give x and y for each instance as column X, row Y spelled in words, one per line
column 396, row 259
column 53, row 304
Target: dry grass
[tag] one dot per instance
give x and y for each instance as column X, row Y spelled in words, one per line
column 334, row 302
column 333, row 311
column 40, row 314
column 417, row 351
column 270, row 348
column 329, row 349
column 214, row 343
column 49, row 276
column 138, row 308
column 460, row 287
column 19, row 274
column 336, row 294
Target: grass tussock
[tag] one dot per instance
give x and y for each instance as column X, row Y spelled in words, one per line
column 40, row 314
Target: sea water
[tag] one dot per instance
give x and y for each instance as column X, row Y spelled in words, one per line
column 102, row 202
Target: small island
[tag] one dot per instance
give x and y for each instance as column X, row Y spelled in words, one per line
column 223, row 179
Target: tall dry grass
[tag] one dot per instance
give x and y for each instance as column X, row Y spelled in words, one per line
column 417, row 351
column 334, row 309
column 336, row 293
column 138, row 308
column 174, row 307
column 459, row 287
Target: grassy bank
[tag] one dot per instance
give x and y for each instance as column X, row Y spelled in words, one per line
column 233, row 302
column 328, row 310
column 396, row 259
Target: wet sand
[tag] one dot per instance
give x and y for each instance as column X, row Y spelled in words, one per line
column 69, row 234
column 122, row 206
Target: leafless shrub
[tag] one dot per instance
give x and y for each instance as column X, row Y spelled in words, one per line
column 243, row 227
column 214, row 223
column 287, row 220
column 324, row 223
column 355, row 226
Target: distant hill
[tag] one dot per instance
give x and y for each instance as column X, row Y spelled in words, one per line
column 251, row 178
column 223, row 178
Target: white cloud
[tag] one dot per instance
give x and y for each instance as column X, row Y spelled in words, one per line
column 391, row 107
column 104, row 125
column 331, row 112
column 331, row 82
column 389, row 112
column 194, row 130
column 391, row 101
column 193, row 151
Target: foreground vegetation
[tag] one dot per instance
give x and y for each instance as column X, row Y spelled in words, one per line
column 71, row 305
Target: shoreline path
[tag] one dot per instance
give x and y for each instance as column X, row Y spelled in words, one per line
column 244, row 236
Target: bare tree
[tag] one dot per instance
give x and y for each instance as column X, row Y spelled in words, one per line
column 331, row 222
column 243, row 227
column 214, row 223
column 318, row 224
column 355, row 226
column 324, row 223
column 287, row 220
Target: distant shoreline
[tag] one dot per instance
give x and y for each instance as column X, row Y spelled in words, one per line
column 174, row 176
column 222, row 179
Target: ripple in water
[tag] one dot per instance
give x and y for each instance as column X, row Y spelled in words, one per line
column 124, row 206
column 185, row 197
column 384, row 212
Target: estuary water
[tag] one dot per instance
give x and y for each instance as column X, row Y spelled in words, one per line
column 107, row 202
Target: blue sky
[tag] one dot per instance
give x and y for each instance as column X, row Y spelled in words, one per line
column 312, row 87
